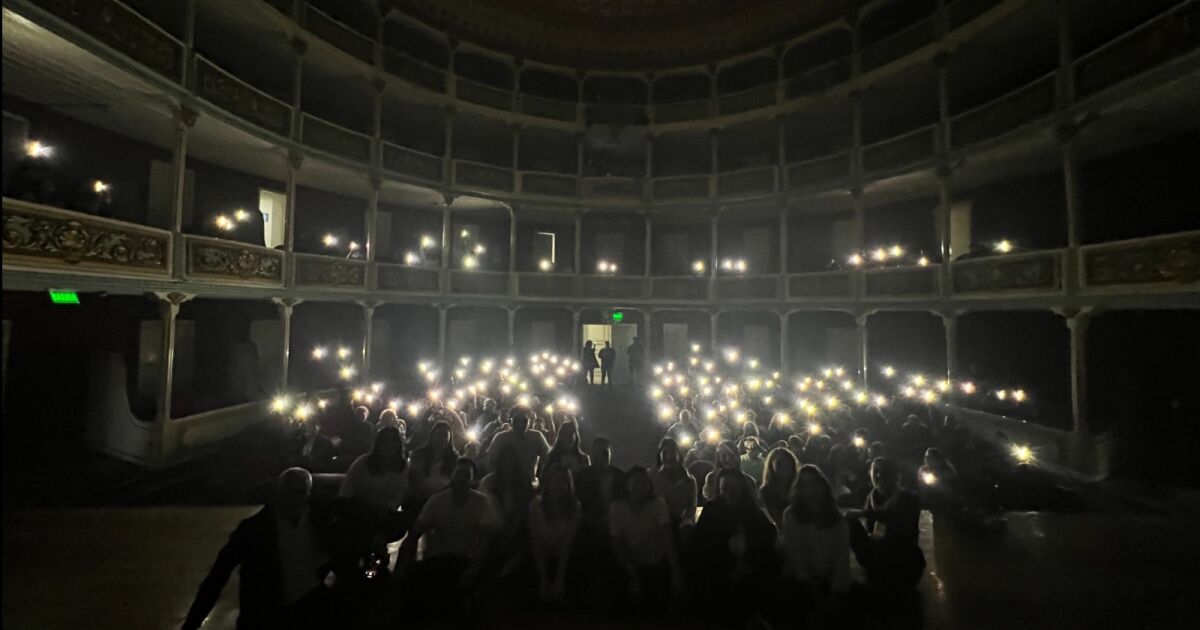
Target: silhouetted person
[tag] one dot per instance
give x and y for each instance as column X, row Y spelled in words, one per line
column 608, row 358
column 637, row 359
column 587, row 358
column 283, row 563
column 887, row 548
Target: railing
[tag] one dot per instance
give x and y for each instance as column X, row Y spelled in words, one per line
column 232, row 262
column 963, row 11
column 341, row 36
column 682, row 111
column 414, row 71
column 1026, row 104
column 324, row 271
column 1156, row 41
column 679, row 287
column 413, row 163
column 600, row 114
column 821, row 285
column 475, row 92
column 335, row 139
column 1151, row 262
column 759, row 180
column 819, row 170
column 592, row 286
column 549, row 285
column 903, row 150
column 819, row 79
column 549, row 108
column 629, row 188
column 749, row 288
column 899, row 44
column 680, row 187
column 241, row 99
column 1033, row 272
column 480, row 175
column 38, row 236
column 124, row 30
column 392, row 277
column 754, row 98
column 479, row 282
column 553, row 184
column 915, row 282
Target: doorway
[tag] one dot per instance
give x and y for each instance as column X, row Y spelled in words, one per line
column 621, row 337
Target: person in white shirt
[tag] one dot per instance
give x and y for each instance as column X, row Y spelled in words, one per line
column 640, row 528
column 530, row 445
column 816, row 544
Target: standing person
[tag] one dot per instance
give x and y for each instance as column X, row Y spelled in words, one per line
column 431, row 466
column 816, row 544
column 637, row 360
column 640, row 527
column 778, row 476
column 887, row 548
column 567, row 450
column 596, row 487
column 599, row 483
column 587, row 357
column 608, row 358
column 283, row 562
column 553, row 524
column 530, row 445
column 378, row 482
column 675, row 484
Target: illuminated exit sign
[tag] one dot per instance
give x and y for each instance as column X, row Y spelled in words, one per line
column 63, row 296
column 618, row 316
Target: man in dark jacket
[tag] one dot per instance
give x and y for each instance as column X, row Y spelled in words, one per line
column 283, row 561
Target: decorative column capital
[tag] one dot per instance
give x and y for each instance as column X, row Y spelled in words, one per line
column 286, row 304
column 1064, row 132
column 941, row 59
column 376, row 182
column 299, row 46
column 1075, row 316
column 295, row 158
column 186, row 116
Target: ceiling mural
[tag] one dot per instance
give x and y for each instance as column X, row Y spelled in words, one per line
column 625, row 34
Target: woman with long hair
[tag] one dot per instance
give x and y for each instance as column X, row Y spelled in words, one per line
column 379, row 478
column 567, row 450
column 431, row 466
column 816, row 544
column 553, row 525
column 779, row 473
column 675, row 484
column 727, row 459
column 640, row 529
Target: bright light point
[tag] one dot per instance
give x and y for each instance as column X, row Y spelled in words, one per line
column 908, row 392
column 918, row 380
column 35, row 149
column 302, row 412
column 713, row 436
column 241, row 215
column 896, row 251
column 346, row 373
column 943, row 386
column 928, row 396
column 376, row 387
column 860, row 397
column 435, row 394
column 280, row 404
column 464, row 234
column 855, row 260
column 99, row 186
column 665, row 412
column 753, row 363
column 393, row 404
column 685, row 441
column 880, row 401
column 967, row 388
column 330, row 240
column 223, row 222
column 928, row 478
column 470, row 262
column 1022, row 453
column 353, row 246
column 1019, row 395
column 859, row 442
column 322, row 403
column 1002, row 394
column 832, row 402
column 814, row 428
column 413, row 409
column 410, row 258
column 427, row 242
column 889, row 371
column 545, row 264
column 698, row 266
column 1003, row 247
column 879, row 255
column 343, row 352
column 357, row 395
column 923, row 262
column 472, row 435
column 319, row 353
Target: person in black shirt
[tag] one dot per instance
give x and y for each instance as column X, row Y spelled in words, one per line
column 887, row 547
column 608, row 357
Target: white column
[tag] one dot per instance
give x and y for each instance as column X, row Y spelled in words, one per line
column 368, row 327
column 185, row 118
column 1078, row 322
column 168, row 308
column 950, row 324
column 864, row 362
column 442, row 335
column 286, row 307
column 784, row 358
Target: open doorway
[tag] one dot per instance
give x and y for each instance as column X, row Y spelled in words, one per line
column 621, row 337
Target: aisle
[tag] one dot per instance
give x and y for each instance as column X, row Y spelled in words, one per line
column 623, row 415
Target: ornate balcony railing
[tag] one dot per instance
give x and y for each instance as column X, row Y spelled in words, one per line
column 1037, row 272
column 479, row 282
column 241, row 99
column 336, row 140
column 903, row 282
column 821, row 285
column 1151, row 44
column 416, row 164
column 341, row 36
column 392, row 277
column 1173, row 259
column 124, row 30
column 546, row 285
column 480, row 175
column 682, row 187
column 679, row 288
column 1022, row 106
column 903, row 150
column 232, row 262
column 46, row 238
column 323, row 271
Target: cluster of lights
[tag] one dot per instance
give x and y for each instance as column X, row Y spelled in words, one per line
column 1003, row 246
column 35, row 149
column 223, row 221
column 734, row 265
column 331, row 241
column 427, row 243
column 882, row 256
column 606, row 266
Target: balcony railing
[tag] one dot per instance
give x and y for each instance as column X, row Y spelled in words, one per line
column 754, row 98
column 124, row 30
column 549, row 108
column 553, row 184
column 335, row 139
column 1151, row 44
column 753, row 181
column 341, row 36
column 42, row 237
column 323, row 271
column 821, row 285
column 819, row 170
column 546, row 285
column 1152, row 262
column 392, row 277
column 903, row 150
column 820, row 78
column 478, row 175
column 231, row 262
column 479, row 282
column 681, row 187
column 480, row 94
column 413, row 163
column 1034, row 272
column 1022, row 106
column 241, row 99
column 914, row 282
column 682, row 111
column 679, row 288
column 899, row 44
column 749, row 288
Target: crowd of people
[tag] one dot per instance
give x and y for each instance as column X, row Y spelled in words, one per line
column 494, row 501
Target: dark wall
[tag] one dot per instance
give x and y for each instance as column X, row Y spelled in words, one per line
column 219, row 190
column 219, row 325
column 672, row 262
column 909, row 224
column 1142, row 192
column 908, row 341
column 564, row 245
column 1031, row 211
column 330, row 325
column 319, row 212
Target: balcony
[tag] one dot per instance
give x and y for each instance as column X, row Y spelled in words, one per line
column 1034, row 272
column 330, row 273
column 908, row 282
column 390, row 277
column 335, row 140
column 1171, row 261
column 229, row 262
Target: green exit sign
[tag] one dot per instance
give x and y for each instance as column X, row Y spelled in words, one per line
column 618, row 316
column 63, row 296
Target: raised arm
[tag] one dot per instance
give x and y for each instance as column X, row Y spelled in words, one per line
column 230, row 556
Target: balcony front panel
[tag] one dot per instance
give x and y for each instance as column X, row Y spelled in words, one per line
column 757, row 98
column 240, row 99
column 1015, row 109
column 759, row 181
column 749, row 288
column 479, row 282
column 233, row 262
column 390, row 277
column 548, row 184
column 482, row 176
column 1154, row 43
column 1164, row 260
column 899, row 44
column 904, row 150
column 821, row 285
column 1036, row 272
column 615, row 287
column 414, row 71
column 339, row 35
column 123, row 30
column 615, row 115
column 681, row 112
column 548, row 108
column 412, row 163
column 481, row 94
column 546, row 285
column 325, row 271
column 63, row 240
column 681, row 288
column 912, row 282
column 335, row 140
column 819, row 79
column 963, row 11
column 817, row 171
column 627, row 188
column 688, row 187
